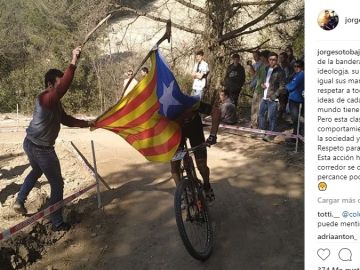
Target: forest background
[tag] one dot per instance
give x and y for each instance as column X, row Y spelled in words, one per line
column 36, row 35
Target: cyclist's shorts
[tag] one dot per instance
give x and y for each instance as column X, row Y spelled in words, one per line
column 195, row 133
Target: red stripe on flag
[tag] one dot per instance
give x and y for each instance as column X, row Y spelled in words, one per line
column 162, row 148
column 151, row 132
column 140, row 120
column 141, row 98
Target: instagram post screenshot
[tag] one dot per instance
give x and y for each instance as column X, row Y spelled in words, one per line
column 170, row 134
column 332, row 216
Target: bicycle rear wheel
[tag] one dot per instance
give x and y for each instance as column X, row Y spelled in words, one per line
column 193, row 220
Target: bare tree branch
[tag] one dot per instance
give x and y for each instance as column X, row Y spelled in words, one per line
column 126, row 29
column 254, row 3
column 296, row 17
column 159, row 19
column 247, row 11
column 192, row 6
column 236, row 9
column 252, row 49
column 237, row 32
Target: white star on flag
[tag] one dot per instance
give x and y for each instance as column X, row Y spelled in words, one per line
column 167, row 98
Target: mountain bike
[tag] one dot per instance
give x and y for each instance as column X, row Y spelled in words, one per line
column 191, row 209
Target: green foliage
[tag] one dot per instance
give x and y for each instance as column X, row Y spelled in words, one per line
column 38, row 35
column 21, row 87
column 7, row 104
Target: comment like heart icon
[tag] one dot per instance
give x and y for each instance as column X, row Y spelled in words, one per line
column 323, row 253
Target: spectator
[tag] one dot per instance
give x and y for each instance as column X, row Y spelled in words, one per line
column 258, row 91
column 199, row 74
column 132, row 84
column 227, row 109
column 253, row 67
column 40, row 139
column 234, row 78
column 144, row 71
column 295, row 89
column 274, row 84
column 286, row 67
column 288, row 71
column 291, row 57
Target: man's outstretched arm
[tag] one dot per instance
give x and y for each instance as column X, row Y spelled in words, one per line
column 50, row 97
column 71, row 121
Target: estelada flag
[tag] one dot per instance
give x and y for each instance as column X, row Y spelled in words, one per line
column 144, row 118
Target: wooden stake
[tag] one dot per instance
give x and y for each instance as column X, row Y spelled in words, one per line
column 87, row 163
column 96, row 175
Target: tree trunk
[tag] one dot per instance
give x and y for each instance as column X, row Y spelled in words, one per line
column 214, row 50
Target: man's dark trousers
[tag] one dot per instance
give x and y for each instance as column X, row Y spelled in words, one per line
column 43, row 160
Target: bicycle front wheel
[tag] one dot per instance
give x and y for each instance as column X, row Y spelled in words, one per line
column 193, row 220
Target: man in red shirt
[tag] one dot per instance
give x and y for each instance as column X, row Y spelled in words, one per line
column 41, row 135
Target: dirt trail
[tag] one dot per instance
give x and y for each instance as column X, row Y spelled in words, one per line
column 258, row 211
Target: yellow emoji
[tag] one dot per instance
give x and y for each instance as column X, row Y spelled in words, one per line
column 322, row 186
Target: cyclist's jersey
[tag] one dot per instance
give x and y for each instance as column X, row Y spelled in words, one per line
column 192, row 127
column 193, row 130
column 199, row 107
column 202, row 107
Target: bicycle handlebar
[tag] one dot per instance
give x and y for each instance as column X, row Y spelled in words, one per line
column 193, row 149
column 181, row 154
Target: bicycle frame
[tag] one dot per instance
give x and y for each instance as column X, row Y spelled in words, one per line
column 191, row 211
column 187, row 168
column 188, row 163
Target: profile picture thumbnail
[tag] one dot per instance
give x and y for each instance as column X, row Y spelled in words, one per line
column 328, row 19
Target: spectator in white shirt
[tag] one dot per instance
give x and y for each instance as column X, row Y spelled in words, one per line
column 199, row 74
column 132, row 84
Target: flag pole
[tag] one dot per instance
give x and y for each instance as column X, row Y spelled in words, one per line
column 87, row 37
column 167, row 35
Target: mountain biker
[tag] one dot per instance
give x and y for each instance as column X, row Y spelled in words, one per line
column 192, row 129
